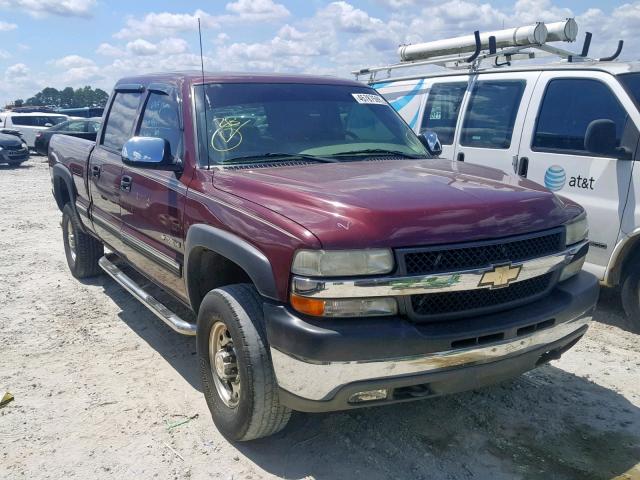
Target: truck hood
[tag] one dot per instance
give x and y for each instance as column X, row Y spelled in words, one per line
column 398, row 203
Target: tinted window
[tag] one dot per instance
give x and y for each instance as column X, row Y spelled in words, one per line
column 568, row 107
column 442, row 109
column 631, row 82
column 491, row 114
column 120, row 121
column 24, row 121
column 160, row 120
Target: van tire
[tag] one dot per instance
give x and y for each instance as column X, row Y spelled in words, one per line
column 81, row 249
column 247, row 407
column 630, row 293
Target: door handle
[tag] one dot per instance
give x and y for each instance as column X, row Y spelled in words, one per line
column 461, row 157
column 95, row 171
column 125, row 183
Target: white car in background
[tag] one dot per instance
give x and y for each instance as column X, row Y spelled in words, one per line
column 28, row 124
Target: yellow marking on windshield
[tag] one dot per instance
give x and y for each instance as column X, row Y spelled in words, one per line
column 227, row 134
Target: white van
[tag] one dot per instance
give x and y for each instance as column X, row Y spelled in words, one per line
column 571, row 126
column 28, row 124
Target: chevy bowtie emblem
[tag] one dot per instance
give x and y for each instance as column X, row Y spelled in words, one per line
column 500, row 276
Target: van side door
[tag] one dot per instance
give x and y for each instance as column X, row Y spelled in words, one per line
column 494, row 114
column 441, row 113
column 581, row 141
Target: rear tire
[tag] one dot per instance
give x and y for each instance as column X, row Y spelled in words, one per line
column 241, row 389
column 630, row 293
column 81, row 249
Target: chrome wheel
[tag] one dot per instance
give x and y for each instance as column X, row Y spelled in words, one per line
column 71, row 240
column 224, row 367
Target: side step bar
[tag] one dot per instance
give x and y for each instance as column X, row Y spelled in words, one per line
column 162, row 312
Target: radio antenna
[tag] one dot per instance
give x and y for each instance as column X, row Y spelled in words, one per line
column 204, row 96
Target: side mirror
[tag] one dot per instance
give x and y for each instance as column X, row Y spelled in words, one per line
column 431, row 142
column 149, row 152
column 600, row 137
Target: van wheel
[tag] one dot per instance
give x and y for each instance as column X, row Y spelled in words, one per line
column 238, row 381
column 631, row 297
column 82, row 250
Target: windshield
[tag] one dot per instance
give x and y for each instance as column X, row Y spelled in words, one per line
column 631, row 83
column 244, row 122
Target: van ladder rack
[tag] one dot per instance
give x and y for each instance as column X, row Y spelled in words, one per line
column 473, row 62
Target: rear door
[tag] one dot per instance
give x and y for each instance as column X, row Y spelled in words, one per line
column 560, row 158
column 494, row 114
column 105, row 166
column 153, row 203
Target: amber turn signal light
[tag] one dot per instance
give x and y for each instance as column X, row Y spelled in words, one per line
column 308, row 306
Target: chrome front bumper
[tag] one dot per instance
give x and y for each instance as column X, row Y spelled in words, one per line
column 320, row 381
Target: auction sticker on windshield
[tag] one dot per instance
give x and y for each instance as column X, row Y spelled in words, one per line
column 369, row 98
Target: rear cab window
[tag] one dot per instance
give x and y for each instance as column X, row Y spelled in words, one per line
column 120, row 122
column 491, row 113
column 569, row 107
column 442, row 110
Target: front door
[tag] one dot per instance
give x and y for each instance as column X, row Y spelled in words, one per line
column 105, row 167
column 567, row 150
column 153, row 203
column 494, row 113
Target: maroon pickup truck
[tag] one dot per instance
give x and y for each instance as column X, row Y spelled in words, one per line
column 330, row 261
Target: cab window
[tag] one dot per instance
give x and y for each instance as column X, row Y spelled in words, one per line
column 120, row 120
column 442, row 110
column 160, row 120
column 573, row 106
column 491, row 114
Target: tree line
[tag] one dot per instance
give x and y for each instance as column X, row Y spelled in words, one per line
column 66, row 98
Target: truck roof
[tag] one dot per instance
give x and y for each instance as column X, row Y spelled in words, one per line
column 613, row 68
column 195, row 77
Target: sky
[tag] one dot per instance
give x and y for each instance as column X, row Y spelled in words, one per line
column 61, row 43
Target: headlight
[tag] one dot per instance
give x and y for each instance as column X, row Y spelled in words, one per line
column 1, row 149
column 577, row 229
column 349, row 307
column 24, row 145
column 342, row 263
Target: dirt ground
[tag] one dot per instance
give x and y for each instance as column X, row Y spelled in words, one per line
column 101, row 386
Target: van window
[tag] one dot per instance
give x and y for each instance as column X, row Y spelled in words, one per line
column 442, row 109
column 122, row 115
column 568, row 108
column 491, row 113
column 22, row 121
column 160, row 120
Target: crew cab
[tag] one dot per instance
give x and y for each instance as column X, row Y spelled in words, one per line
column 329, row 260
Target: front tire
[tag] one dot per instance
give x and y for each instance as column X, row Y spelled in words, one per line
column 238, row 380
column 81, row 249
column 630, row 292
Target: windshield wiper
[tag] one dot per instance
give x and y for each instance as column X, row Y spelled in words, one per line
column 378, row 151
column 272, row 156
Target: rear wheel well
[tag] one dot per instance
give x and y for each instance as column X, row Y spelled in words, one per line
column 61, row 192
column 208, row 270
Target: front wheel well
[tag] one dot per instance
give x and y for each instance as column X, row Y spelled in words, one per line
column 207, row 270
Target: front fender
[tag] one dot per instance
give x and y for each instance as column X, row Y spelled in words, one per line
column 256, row 265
